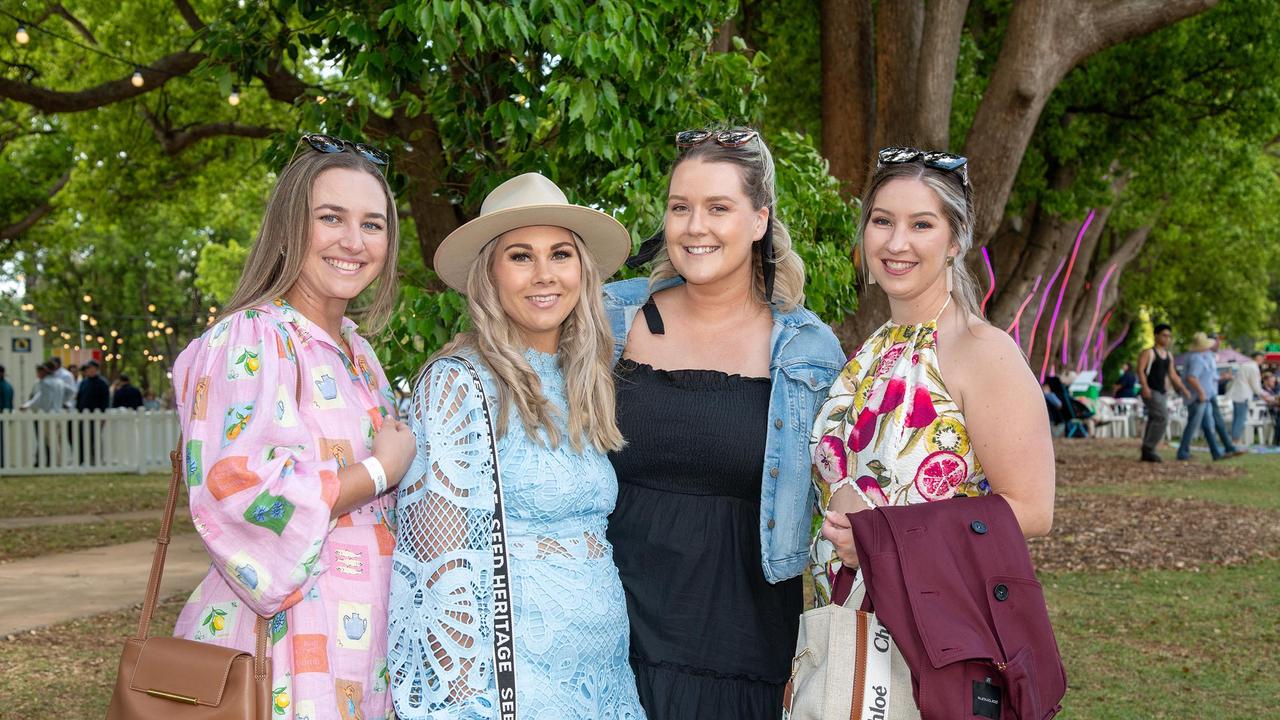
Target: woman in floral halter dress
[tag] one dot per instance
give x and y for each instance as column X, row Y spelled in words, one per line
column 893, row 431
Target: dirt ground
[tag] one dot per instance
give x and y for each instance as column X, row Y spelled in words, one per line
column 1123, row 529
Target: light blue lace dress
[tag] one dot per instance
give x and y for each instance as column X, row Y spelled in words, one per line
column 571, row 635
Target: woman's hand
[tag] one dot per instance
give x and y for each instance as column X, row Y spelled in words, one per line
column 394, row 447
column 836, row 528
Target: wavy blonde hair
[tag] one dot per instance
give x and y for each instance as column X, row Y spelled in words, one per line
column 759, row 184
column 275, row 260
column 586, row 356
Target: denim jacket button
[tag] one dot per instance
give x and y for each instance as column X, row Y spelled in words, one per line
column 778, row 423
column 774, row 471
column 770, row 524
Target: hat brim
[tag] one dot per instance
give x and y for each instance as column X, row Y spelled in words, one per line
column 606, row 239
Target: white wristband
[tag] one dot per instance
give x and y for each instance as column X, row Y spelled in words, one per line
column 379, row 475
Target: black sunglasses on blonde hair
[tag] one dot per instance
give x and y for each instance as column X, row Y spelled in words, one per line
column 686, row 139
column 931, row 158
column 329, row 144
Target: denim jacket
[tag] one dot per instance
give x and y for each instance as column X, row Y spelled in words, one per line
column 805, row 359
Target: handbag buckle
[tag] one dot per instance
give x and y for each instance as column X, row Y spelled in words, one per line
column 173, row 696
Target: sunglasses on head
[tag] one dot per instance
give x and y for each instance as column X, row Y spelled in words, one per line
column 329, row 144
column 931, row 158
column 724, row 138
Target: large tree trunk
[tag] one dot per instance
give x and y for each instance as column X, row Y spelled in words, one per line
column 917, row 45
column 1044, row 40
column 848, row 63
column 899, row 32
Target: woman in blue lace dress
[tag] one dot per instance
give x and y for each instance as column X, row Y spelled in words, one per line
column 530, row 266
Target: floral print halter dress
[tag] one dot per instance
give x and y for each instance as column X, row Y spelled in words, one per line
column 890, row 428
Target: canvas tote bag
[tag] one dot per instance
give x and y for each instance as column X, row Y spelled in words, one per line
column 846, row 666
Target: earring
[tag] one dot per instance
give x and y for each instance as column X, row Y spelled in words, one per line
column 951, row 261
column 871, row 279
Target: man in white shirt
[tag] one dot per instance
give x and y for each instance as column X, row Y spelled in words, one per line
column 68, row 381
column 1245, row 385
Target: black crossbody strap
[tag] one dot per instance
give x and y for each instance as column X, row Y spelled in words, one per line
column 504, row 648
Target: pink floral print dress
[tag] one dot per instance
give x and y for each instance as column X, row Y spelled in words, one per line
column 889, row 428
column 262, row 448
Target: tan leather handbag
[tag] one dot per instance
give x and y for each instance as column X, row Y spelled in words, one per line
column 166, row 678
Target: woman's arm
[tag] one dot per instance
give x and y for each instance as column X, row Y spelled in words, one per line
column 1004, row 412
column 440, row 620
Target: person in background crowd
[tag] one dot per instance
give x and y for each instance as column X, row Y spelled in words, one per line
column 6, row 405
column 45, row 396
column 150, row 402
column 1245, row 386
column 1155, row 373
column 47, row 393
column 69, row 382
column 126, row 395
column 1202, row 409
column 1127, row 385
column 1271, row 384
column 93, row 396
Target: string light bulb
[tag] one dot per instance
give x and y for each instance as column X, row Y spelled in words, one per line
column 21, row 36
column 137, row 80
column 234, row 98
column 151, row 307
column 88, row 298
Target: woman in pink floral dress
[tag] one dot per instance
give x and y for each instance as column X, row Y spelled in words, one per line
column 291, row 442
column 893, row 431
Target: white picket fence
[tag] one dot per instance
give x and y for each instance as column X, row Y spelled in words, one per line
column 61, row 443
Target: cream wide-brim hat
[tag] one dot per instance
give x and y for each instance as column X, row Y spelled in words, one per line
column 525, row 200
column 1200, row 342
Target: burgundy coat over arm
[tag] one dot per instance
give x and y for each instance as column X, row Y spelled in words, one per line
column 953, row 583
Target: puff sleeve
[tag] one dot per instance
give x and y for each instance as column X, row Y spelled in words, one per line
column 260, row 496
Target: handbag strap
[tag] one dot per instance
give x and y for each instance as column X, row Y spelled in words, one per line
column 504, row 649
column 152, row 595
column 157, row 568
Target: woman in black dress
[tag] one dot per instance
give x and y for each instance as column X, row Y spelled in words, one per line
column 720, row 374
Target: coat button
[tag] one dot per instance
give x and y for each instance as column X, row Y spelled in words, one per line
column 778, row 423
column 770, row 523
column 773, row 472
column 1001, row 592
column 979, row 527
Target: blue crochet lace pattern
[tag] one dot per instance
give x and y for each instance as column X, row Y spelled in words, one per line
column 571, row 633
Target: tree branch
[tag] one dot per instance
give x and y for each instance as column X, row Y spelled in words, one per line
column 940, row 51
column 58, row 9
column 9, row 232
column 188, row 13
column 1044, row 40
column 174, row 141
column 53, row 101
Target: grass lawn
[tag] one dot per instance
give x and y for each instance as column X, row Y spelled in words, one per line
column 38, row 495
column 1136, row 644
column 1258, row 486
column 43, row 540
column 68, row 670
column 1169, row 644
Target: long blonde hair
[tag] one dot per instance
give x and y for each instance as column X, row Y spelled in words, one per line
column 276, row 258
column 759, row 184
column 586, row 355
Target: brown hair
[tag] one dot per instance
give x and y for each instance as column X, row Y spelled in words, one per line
column 957, row 208
column 275, row 260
